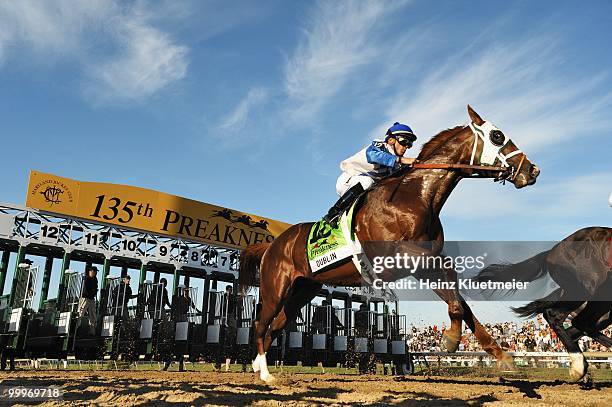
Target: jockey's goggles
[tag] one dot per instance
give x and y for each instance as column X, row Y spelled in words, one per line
column 405, row 140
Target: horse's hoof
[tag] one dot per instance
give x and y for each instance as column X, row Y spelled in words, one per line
column 506, row 364
column 256, row 364
column 451, row 344
column 575, row 375
column 587, row 381
column 578, row 366
column 269, row 379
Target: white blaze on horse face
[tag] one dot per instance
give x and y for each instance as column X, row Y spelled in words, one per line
column 490, row 150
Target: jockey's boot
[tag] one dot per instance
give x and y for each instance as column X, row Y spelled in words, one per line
column 343, row 204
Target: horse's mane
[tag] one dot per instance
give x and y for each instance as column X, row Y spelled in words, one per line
column 436, row 141
column 430, row 147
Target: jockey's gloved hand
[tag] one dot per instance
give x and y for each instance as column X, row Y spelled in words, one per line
column 408, row 160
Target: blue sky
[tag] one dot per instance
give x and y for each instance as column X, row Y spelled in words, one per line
column 252, row 105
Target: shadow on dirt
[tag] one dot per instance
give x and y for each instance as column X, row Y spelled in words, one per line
column 94, row 389
column 527, row 387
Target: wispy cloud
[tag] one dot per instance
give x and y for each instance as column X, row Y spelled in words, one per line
column 238, row 118
column 516, row 85
column 339, row 38
column 337, row 42
column 53, row 28
column 352, row 58
column 147, row 62
column 553, row 207
column 122, row 56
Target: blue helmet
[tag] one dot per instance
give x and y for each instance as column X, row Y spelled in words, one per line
column 399, row 129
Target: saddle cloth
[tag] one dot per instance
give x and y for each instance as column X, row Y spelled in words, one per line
column 329, row 246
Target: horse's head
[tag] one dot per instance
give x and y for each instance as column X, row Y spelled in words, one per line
column 492, row 147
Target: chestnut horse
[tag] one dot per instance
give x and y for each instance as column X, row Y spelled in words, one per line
column 404, row 207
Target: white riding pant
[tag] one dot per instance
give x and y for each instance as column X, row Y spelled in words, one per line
column 346, row 181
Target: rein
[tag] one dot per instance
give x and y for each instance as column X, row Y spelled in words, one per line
column 505, row 173
column 458, row 167
column 518, row 169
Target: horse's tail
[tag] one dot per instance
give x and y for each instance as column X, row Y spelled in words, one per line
column 538, row 306
column 250, row 260
column 528, row 270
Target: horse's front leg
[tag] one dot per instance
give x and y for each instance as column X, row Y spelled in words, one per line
column 451, row 336
column 489, row 345
column 555, row 316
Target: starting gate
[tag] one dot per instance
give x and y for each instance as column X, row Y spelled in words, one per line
column 362, row 329
column 345, row 331
column 246, row 316
column 73, row 283
column 13, row 332
column 217, row 316
column 185, row 312
column 380, row 331
column 152, row 297
column 113, row 309
column 23, row 295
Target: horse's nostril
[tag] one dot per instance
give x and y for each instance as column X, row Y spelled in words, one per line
column 535, row 171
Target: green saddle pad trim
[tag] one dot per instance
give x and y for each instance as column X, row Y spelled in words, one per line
column 351, row 217
column 324, row 237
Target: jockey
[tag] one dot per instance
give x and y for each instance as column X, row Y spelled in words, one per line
column 371, row 164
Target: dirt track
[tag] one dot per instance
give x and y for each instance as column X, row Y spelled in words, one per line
column 191, row 388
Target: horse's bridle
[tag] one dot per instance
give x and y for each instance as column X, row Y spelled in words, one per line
column 492, row 149
column 518, row 168
column 491, row 152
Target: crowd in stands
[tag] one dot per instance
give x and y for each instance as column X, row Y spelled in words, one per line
column 529, row 336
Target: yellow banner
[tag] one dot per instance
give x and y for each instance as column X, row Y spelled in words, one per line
column 151, row 211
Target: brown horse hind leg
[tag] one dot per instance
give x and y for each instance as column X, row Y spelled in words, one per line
column 275, row 315
column 302, row 291
column 261, row 331
column 276, row 328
